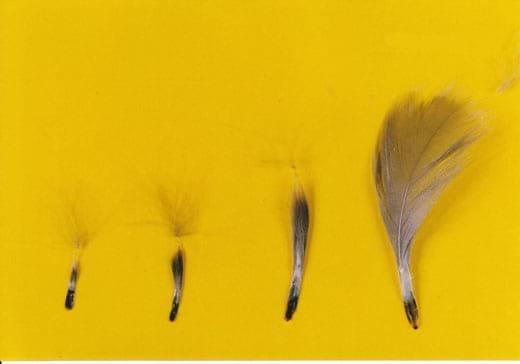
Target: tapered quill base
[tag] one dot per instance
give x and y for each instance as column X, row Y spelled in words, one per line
column 292, row 303
column 178, row 277
column 71, row 290
column 412, row 313
column 173, row 312
column 69, row 299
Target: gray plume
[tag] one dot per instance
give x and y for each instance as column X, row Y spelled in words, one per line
column 420, row 149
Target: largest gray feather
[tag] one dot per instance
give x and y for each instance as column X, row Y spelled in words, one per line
column 420, row 149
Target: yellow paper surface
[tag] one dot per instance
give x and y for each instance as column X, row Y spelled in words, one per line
column 103, row 101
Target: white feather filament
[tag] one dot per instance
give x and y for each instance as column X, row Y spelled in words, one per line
column 420, row 149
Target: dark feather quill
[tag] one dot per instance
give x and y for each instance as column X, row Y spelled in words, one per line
column 71, row 289
column 420, row 149
column 178, row 277
column 300, row 228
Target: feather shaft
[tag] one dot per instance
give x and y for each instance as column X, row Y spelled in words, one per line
column 71, row 289
column 178, row 277
column 300, row 228
column 410, row 305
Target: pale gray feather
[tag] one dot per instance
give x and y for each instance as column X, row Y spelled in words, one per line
column 420, row 149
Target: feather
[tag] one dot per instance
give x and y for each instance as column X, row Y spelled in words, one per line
column 300, row 228
column 509, row 64
column 420, row 149
column 71, row 289
column 178, row 277
column 79, row 236
column 179, row 215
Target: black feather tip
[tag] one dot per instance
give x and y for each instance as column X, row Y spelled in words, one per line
column 69, row 299
column 292, row 303
column 178, row 277
column 173, row 312
column 71, row 290
column 412, row 313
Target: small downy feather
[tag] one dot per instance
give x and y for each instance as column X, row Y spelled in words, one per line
column 179, row 216
column 79, row 236
column 300, row 228
column 74, row 274
column 422, row 146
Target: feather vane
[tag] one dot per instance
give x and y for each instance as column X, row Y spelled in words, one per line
column 422, row 146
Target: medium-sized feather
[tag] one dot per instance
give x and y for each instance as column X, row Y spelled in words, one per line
column 421, row 148
column 300, row 228
column 178, row 278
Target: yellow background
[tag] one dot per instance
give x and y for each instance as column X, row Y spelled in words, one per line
column 101, row 101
